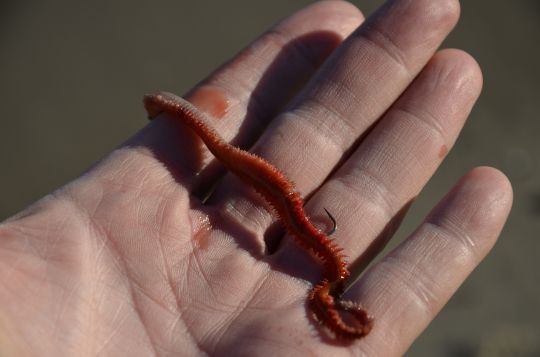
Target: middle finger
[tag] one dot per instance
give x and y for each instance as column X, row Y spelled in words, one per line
column 351, row 91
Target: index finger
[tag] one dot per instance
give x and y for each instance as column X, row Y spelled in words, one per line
column 244, row 94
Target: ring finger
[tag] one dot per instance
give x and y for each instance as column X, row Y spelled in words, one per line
column 371, row 190
column 352, row 90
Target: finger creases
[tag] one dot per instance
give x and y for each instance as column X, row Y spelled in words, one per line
column 243, row 95
column 372, row 190
column 408, row 287
column 369, row 72
column 350, row 92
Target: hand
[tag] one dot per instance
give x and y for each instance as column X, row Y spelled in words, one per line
column 126, row 260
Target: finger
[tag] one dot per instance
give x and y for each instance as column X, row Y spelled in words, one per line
column 406, row 290
column 370, row 193
column 243, row 96
column 354, row 87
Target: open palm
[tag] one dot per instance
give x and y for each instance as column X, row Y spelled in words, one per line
column 127, row 260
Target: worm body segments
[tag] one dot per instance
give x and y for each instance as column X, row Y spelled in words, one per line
column 325, row 298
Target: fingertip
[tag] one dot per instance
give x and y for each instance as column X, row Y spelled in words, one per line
column 338, row 15
column 477, row 206
column 339, row 7
column 443, row 12
column 460, row 70
column 495, row 185
column 463, row 65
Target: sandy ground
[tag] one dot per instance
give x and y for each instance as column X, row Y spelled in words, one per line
column 72, row 74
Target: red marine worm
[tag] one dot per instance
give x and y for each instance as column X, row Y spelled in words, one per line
column 325, row 298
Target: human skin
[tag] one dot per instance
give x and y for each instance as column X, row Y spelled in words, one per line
column 127, row 260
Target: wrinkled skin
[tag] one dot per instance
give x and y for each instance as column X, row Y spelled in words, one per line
column 126, row 260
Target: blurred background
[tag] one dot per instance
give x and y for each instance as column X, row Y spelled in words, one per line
column 72, row 74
